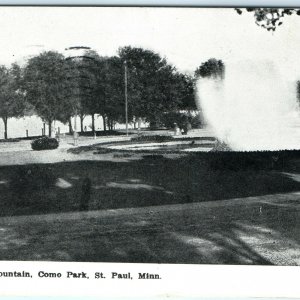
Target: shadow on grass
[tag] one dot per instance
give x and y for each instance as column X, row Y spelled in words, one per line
column 213, row 236
column 239, row 234
column 154, row 180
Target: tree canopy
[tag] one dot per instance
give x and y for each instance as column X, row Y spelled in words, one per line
column 211, row 68
column 47, row 86
column 154, row 86
column 269, row 18
column 59, row 88
column 12, row 103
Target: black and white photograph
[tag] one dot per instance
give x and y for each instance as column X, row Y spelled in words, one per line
column 162, row 135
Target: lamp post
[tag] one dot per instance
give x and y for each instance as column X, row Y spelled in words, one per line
column 126, row 96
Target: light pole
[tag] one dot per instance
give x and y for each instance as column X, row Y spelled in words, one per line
column 126, row 96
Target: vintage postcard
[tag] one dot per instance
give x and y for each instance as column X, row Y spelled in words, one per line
column 143, row 145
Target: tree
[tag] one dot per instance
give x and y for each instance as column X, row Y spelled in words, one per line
column 186, row 91
column 47, row 86
column 154, row 86
column 269, row 18
column 211, row 68
column 12, row 103
column 100, row 87
column 71, row 103
column 91, row 85
column 113, row 106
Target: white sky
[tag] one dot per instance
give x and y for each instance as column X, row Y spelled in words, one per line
column 185, row 36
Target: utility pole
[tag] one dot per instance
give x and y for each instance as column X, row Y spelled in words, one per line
column 126, row 96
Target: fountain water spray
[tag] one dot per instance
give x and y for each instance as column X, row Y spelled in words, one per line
column 252, row 108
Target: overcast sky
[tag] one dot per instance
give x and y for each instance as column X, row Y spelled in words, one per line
column 185, row 36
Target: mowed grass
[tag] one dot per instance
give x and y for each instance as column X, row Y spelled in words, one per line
column 153, row 180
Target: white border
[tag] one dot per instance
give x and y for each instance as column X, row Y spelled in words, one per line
column 182, row 3
column 178, row 281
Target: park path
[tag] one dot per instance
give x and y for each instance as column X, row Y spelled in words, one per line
column 20, row 153
column 67, row 143
column 253, row 230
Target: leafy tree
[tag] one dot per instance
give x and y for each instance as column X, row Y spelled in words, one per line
column 113, row 91
column 154, row 86
column 269, row 18
column 211, row 68
column 70, row 106
column 91, row 75
column 47, row 86
column 186, row 91
column 12, row 103
column 100, row 87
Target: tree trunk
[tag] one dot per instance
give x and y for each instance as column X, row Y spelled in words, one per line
column 93, row 123
column 5, row 127
column 70, row 126
column 81, row 123
column 104, row 123
column 139, row 123
column 50, row 128
column 109, row 123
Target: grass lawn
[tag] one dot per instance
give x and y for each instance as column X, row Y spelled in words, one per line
column 261, row 227
column 153, row 180
column 256, row 230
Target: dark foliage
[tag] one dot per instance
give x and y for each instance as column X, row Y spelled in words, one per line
column 212, row 68
column 102, row 133
column 154, row 86
column 196, row 121
column 11, row 98
column 47, row 86
column 59, row 88
column 269, row 18
column 152, row 138
column 44, row 143
column 182, row 119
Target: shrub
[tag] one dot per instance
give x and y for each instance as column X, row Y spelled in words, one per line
column 182, row 119
column 170, row 118
column 153, row 138
column 44, row 143
column 196, row 121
